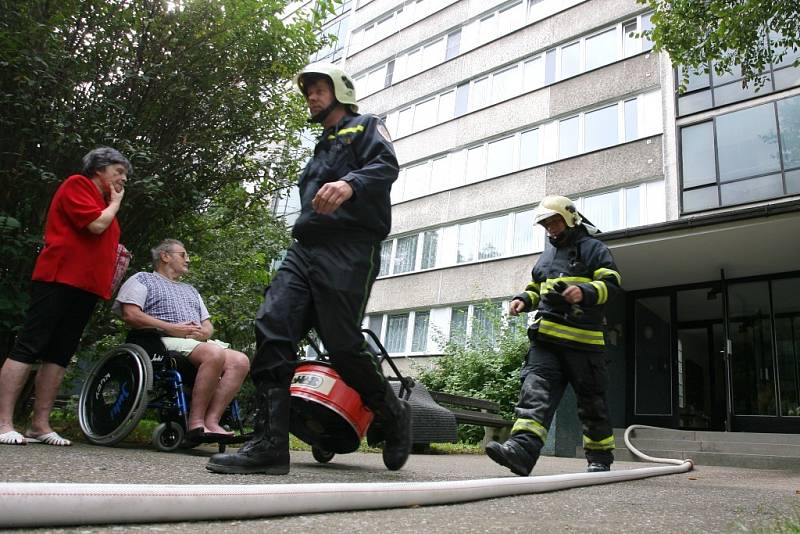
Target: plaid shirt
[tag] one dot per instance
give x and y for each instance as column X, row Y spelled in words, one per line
column 159, row 297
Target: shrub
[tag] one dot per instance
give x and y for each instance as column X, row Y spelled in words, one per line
column 484, row 368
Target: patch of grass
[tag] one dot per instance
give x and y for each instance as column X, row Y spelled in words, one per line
column 790, row 525
column 65, row 422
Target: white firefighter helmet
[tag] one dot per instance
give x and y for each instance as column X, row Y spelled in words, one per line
column 558, row 205
column 343, row 87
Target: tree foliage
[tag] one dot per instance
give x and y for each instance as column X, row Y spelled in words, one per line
column 729, row 35
column 194, row 92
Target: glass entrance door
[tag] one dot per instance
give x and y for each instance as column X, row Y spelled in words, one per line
column 701, row 377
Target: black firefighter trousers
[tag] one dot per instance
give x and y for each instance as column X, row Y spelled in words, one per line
column 324, row 287
column 548, row 369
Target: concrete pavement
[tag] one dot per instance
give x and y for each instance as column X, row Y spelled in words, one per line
column 709, row 499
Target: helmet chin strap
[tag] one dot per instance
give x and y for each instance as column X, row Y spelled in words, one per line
column 320, row 117
column 560, row 238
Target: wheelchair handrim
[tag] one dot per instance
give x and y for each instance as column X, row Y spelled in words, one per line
column 107, row 423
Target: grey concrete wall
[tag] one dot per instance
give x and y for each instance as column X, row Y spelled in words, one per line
column 453, row 285
column 617, row 166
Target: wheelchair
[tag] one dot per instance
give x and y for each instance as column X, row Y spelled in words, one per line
column 139, row 375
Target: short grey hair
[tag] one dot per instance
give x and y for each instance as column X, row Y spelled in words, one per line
column 164, row 246
column 102, row 157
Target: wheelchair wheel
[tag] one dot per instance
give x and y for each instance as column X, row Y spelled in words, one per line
column 114, row 395
column 322, row 456
column 168, row 437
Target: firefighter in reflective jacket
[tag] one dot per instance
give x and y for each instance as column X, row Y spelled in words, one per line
column 325, row 280
column 572, row 282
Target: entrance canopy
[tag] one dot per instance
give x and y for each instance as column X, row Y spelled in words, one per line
column 694, row 250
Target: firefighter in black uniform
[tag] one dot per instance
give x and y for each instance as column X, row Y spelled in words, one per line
column 326, row 278
column 572, row 281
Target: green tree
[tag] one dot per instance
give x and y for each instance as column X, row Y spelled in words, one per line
column 195, row 92
column 728, row 34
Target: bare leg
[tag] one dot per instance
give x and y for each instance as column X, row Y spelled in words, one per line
column 12, row 380
column 209, row 360
column 236, row 367
column 48, row 380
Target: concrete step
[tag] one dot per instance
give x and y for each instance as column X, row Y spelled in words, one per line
column 744, row 447
column 753, row 461
column 735, row 449
column 705, row 435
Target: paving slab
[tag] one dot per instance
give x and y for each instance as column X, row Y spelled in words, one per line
column 708, row 499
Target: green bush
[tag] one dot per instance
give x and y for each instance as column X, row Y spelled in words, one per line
column 485, row 367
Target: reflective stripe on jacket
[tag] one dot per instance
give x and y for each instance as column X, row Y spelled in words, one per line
column 586, row 262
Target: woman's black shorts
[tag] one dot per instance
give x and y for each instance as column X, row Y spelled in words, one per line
column 54, row 323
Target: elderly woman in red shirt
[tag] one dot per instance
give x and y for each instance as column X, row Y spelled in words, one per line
column 74, row 268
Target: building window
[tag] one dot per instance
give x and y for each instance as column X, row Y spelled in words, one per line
column 476, row 164
column 600, row 128
column 604, row 210
column 506, row 84
column 601, row 49
column 425, row 114
column 706, row 89
column 375, row 323
column 467, row 236
column 389, row 73
column 417, row 181
column 386, row 257
column 405, row 255
column 440, row 174
column 462, row 99
column 405, row 121
column 631, row 120
column 500, row 158
column 480, row 94
column 419, row 340
column 747, row 142
column 458, row 325
column 570, row 60
column 396, row 332
column 486, row 321
column 525, row 232
column 568, row 137
column 550, row 67
column 744, row 143
column 492, row 242
column 631, row 45
column 447, row 102
column 430, row 246
column 453, row 45
column 529, row 149
column 534, row 74
column 487, row 29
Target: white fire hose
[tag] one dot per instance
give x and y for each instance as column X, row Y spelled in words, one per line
column 47, row 504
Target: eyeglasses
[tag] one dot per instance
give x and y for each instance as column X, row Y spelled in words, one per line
column 181, row 253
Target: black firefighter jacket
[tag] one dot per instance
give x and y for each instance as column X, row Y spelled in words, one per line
column 357, row 150
column 584, row 261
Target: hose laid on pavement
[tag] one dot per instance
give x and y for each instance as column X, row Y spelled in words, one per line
column 48, row 504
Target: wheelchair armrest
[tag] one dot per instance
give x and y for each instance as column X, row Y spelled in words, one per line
column 149, row 339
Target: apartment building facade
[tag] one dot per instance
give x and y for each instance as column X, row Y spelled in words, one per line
column 493, row 105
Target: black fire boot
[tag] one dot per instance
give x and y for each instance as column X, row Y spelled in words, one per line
column 599, row 461
column 519, row 453
column 393, row 418
column 267, row 451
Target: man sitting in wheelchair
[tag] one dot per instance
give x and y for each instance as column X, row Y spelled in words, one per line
column 160, row 300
